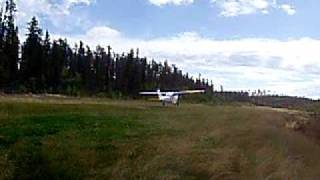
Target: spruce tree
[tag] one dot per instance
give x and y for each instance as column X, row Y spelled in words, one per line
column 46, row 58
column 11, row 44
column 32, row 62
column 2, row 28
column 3, row 57
column 57, row 62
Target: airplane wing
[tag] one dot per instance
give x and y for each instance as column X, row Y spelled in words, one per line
column 148, row 93
column 189, row 92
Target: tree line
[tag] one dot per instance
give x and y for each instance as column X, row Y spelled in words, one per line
column 42, row 65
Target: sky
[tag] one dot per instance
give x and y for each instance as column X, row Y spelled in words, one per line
column 240, row 44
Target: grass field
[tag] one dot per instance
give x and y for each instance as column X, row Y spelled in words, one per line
column 69, row 138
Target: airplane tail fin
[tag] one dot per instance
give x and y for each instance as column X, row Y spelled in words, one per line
column 159, row 93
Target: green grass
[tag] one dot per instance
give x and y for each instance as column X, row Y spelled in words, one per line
column 50, row 138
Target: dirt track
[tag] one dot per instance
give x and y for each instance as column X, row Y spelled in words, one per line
column 306, row 123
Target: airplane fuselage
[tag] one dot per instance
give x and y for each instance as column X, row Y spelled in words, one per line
column 169, row 98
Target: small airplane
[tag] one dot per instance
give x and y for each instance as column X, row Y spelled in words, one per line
column 172, row 97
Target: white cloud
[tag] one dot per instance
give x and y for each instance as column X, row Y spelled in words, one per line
column 290, row 67
column 290, row 10
column 241, row 7
column 174, row 2
column 231, row 8
column 103, row 32
column 57, row 12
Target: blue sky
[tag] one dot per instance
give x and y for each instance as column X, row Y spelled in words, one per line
column 143, row 19
column 202, row 16
column 241, row 44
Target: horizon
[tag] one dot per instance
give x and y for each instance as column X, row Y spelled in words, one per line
column 242, row 45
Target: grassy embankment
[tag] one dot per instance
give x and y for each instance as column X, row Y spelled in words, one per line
column 56, row 138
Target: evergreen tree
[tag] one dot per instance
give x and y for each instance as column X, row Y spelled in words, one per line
column 57, row 64
column 11, row 45
column 109, row 63
column 32, row 57
column 46, row 58
column 81, row 64
column 2, row 28
column 100, row 67
column 3, row 57
column 89, row 78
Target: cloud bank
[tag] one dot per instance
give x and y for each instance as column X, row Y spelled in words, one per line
column 57, row 12
column 232, row 8
column 291, row 67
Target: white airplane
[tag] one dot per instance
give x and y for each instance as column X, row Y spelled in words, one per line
column 172, row 97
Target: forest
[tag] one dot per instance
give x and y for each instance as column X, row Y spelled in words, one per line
column 42, row 65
